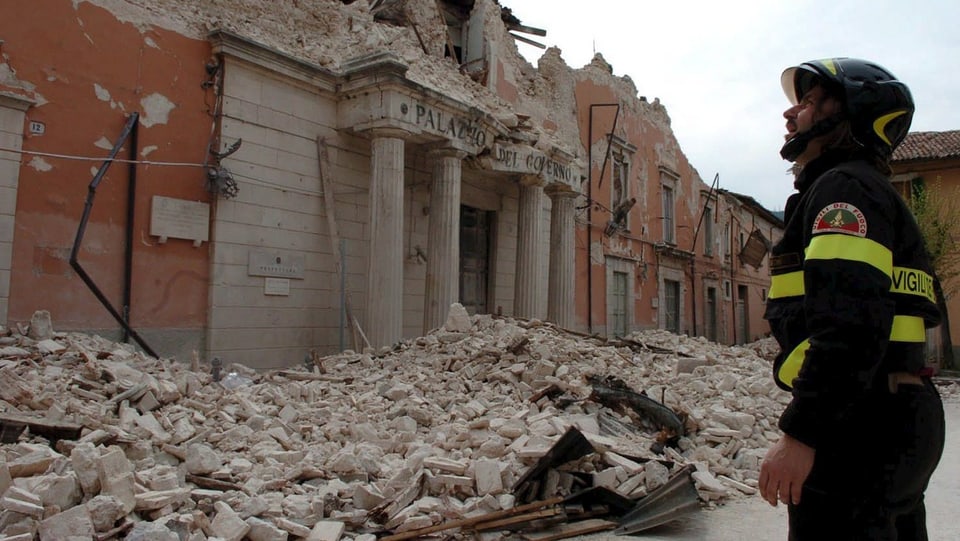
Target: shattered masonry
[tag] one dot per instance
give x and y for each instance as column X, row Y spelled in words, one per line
column 437, row 430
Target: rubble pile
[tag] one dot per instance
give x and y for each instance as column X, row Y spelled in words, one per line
column 326, row 32
column 101, row 442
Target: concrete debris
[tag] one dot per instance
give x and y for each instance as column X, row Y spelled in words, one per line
column 436, row 430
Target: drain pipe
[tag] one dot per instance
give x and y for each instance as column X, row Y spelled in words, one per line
column 82, row 227
column 131, row 213
column 590, row 200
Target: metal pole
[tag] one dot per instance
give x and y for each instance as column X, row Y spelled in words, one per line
column 131, row 215
column 343, row 291
column 82, row 228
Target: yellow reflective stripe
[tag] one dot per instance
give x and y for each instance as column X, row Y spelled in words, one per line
column 904, row 280
column 786, row 285
column 908, row 329
column 912, row 282
column 850, row 248
column 905, row 329
column 790, row 368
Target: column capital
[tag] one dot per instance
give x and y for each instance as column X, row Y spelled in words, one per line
column 393, row 132
column 560, row 191
column 446, row 152
column 530, row 180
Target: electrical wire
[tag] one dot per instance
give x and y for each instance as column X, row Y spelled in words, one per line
column 98, row 159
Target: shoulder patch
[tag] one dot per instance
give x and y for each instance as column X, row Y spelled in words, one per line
column 840, row 218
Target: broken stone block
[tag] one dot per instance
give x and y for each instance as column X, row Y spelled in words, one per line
column 487, row 475
column 367, row 497
column 686, row 365
column 116, row 477
column 158, row 499
column 609, row 478
column 27, row 536
column 202, row 459
column 41, row 325
column 151, row 531
column 706, row 481
column 733, row 483
column 297, row 506
column 62, row 491
column 413, row 523
column 20, row 506
column 148, row 422
column 5, row 479
column 75, row 521
column 628, row 487
column 327, row 530
column 227, row 524
column 262, row 530
column 629, row 466
column 24, row 495
column 458, row 320
column 104, row 511
column 289, row 414
column 655, row 475
column 294, row 528
column 32, row 463
column 148, row 402
column 50, row 346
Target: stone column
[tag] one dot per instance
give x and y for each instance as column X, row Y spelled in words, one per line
column 385, row 261
column 526, row 288
column 561, row 286
column 443, row 238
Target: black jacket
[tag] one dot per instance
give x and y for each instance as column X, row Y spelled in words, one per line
column 851, row 293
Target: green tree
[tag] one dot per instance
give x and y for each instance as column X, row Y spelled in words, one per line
column 937, row 211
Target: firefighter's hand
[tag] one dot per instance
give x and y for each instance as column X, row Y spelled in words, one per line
column 784, row 470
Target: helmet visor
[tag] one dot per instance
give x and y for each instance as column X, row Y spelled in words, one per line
column 797, row 81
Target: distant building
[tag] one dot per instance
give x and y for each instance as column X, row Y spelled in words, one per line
column 924, row 158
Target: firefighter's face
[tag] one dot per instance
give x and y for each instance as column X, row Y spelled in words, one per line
column 813, row 107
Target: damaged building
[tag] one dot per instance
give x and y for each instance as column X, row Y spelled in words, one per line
column 253, row 181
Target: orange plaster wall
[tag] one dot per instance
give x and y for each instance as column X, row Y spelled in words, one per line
column 948, row 171
column 64, row 53
column 649, row 139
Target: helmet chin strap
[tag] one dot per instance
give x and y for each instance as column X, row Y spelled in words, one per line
column 798, row 143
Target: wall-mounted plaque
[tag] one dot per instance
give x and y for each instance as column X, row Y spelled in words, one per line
column 276, row 286
column 275, row 264
column 179, row 219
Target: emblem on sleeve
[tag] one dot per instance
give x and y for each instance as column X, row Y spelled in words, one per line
column 840, row 218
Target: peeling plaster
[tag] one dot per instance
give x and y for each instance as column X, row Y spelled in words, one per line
column 150, row 43
column 85, row 34
column 40, row 164
column 103, row 143
column 148, row 150
column 156, row 108
column 102, row 93
column 9, row 77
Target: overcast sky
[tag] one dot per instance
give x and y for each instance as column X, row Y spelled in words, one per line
column 716, row 66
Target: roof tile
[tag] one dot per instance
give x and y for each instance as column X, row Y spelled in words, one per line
column 928, row 145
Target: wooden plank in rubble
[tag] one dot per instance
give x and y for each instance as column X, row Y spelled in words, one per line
column 572, row 529
column 468, row 522
column 14, row 423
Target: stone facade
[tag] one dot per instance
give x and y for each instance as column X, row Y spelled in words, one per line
column 296, row 194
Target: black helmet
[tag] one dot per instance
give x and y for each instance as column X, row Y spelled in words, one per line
column 878, row 106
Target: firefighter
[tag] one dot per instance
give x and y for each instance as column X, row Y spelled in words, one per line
column 850, row 300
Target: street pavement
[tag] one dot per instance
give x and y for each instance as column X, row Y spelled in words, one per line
column 753, row 519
